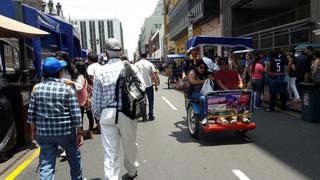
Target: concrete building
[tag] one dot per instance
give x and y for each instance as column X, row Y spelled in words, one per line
column 188, row 18
column 95, row 32
column 151, row 25
column 272, row 23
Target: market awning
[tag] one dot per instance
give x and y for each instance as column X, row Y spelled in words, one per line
column 234, row 42
column 13, row 28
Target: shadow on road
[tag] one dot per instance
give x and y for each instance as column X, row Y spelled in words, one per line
column 290, row 140
column 211, row 139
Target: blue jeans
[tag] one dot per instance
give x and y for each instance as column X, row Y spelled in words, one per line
column 203, row 102
column 48, row 153
column 150, row 95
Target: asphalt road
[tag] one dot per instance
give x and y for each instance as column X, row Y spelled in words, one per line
column 282, row 147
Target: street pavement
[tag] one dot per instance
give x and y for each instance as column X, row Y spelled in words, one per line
column 282, row 147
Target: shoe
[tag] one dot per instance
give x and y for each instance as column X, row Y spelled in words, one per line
column 269, row 110
column 257, row 107
column 222, row 121
column 144, row 118
column 152, row 118
column 246, row 120
column 97, row 130
column 204, row 121
column 132, row 177
column 88, row 135
column 234, row 120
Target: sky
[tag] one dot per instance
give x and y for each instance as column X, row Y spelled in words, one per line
column 131, row 14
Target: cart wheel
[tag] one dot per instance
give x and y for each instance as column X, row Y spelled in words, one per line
column 169, row 82
column 242, row 131
column 193, row 122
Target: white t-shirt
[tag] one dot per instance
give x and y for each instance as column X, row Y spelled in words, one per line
column 93, row 69
column 146, row 69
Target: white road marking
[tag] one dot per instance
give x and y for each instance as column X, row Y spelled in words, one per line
column 169, row 103
column 240, row 174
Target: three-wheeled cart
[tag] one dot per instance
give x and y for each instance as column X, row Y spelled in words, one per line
column 226, row 110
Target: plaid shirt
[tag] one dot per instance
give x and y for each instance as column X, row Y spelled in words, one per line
column 54, row 108
column 105, row 85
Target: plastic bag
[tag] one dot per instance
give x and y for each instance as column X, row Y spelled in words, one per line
column 207, row 87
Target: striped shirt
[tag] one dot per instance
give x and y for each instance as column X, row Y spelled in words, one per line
column 54, row 108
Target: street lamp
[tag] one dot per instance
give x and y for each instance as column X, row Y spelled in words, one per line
column 50, row 6
column 58, row 7
column 42, row 6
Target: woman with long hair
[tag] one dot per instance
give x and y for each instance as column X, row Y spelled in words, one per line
column 256, row 72
column 84, row 91
column 197, row 77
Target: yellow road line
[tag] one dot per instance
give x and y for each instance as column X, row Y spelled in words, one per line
column 22, row 166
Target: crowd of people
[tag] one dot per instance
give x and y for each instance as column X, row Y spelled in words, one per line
column 281, row 73
column 71, row 87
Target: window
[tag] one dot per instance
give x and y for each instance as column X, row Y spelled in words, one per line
column 93, row 36
column 101, row 35
column 110, row 29
column 83, row 30
column 11, row 59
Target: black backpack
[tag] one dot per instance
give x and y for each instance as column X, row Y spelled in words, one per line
column 132, row 94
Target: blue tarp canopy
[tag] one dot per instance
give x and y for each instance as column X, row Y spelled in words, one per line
column 69, row 37
column 234, row 42
column 84, row 54
column 7, row 9
column 172, row 56
column 40, row 20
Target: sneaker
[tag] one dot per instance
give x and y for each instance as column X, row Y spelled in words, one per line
column 233, row 120
column 245, row 120
column 204, row 121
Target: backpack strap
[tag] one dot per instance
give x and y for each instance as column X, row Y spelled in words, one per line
column 117, row 97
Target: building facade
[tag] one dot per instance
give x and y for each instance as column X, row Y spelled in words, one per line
column 188, row 18
column 95, row 32
column 272, row 24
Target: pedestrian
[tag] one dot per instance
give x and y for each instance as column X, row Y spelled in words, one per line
column 92, row 70
column 84, row 93
column 257, row 74
column 104, row 108
column 55, row 119
column 149, row 74
column 277, row 85
column 293, row 92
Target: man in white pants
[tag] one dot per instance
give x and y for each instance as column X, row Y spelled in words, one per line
column 104, row 108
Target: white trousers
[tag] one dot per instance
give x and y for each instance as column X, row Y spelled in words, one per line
column 111, row 133
column 293, row 88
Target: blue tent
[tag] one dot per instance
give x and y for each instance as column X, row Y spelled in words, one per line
column 67, row 37
column 7, row 9
column 38, row 19
column 234, row 42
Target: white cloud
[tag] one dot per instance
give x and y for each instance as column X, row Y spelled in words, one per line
column 131, row 13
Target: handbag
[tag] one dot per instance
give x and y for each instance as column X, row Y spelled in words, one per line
column 207, row 87
column 83, row 94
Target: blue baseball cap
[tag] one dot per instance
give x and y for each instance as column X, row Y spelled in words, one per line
column 52, row 65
